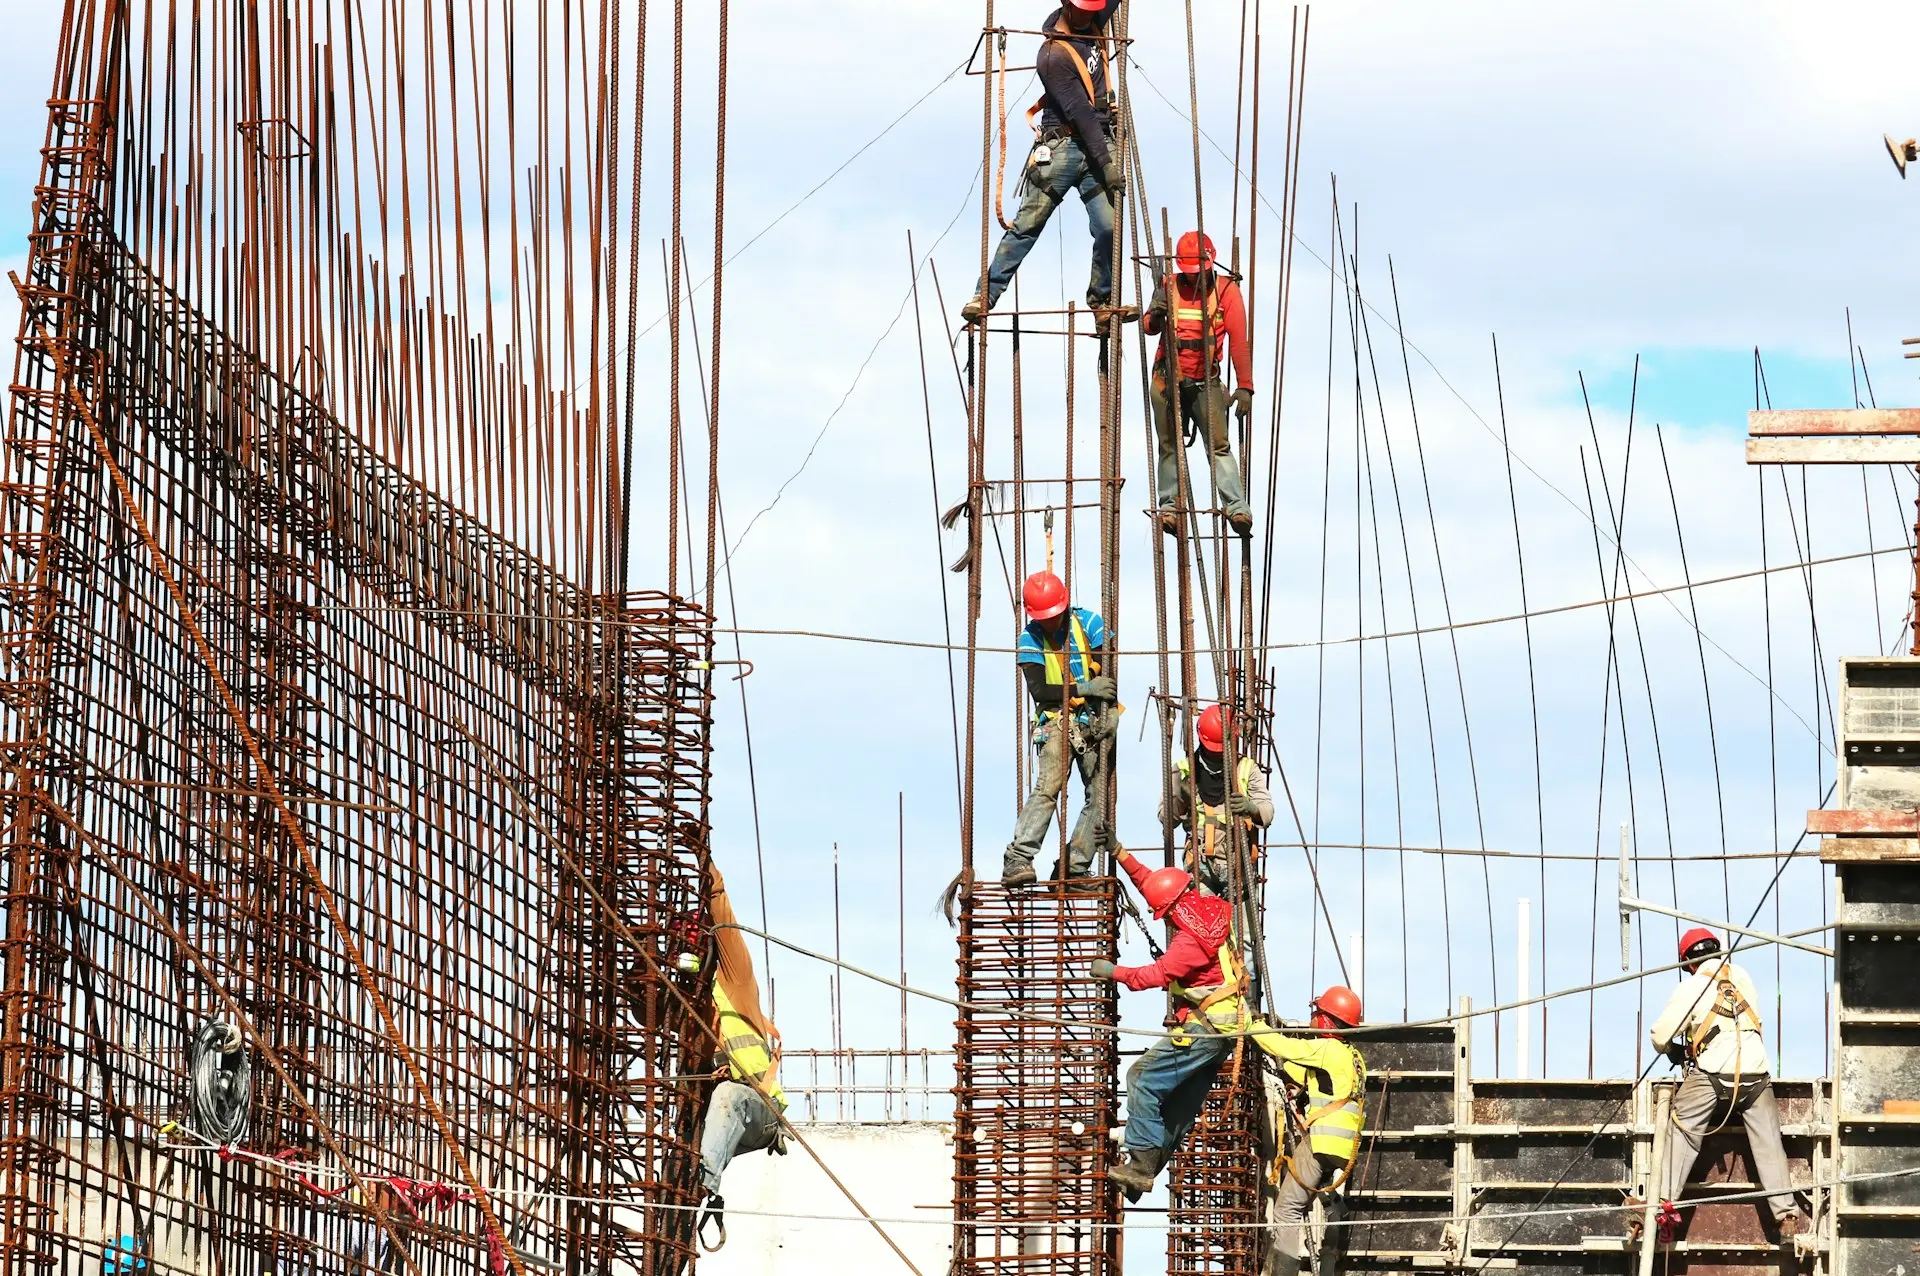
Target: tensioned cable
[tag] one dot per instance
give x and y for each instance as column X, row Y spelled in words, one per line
column 566, row 618
column 1433, row 1022
column 300, row 1171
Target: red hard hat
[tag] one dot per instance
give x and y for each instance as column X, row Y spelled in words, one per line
column 1088, row 6
column 1045, row 596
column 1194, row 253
column 1698, row 937
column 1162, row 887
column 1339, row 1003
column 1212, row 727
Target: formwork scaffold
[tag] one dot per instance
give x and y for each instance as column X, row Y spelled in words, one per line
column 324, row 724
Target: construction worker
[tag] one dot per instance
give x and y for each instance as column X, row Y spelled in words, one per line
column 1074, row 151
column 1059, row 655
column 1209, row 322
column 1710, row 1026
column 1205, row 772
column 1326, row 1082
column 744, row 1113
column 1167, row 1085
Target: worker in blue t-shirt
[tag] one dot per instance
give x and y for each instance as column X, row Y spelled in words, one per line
column 1059, row 655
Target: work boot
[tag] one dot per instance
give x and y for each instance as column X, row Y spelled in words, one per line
column 1241, row 521
column 1795, row 1224
column 1137, row 1170
column 1126, row 314
column 1020, row 875
column 973, row 310
column 1169, row 520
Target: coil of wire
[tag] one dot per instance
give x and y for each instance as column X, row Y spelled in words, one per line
column 220, row 1075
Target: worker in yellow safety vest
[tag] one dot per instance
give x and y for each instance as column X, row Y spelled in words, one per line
column 1326, row 1081
column 744, row 1113
column 1209, row 840
column 1710, row 1026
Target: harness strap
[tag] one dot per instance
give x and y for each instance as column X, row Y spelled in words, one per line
column 1079, row 64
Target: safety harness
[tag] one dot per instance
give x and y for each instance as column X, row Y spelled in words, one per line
column 1728, row 1004
column 1080, row 65
column 1192, row 323
column 1212, row 821
column 1353, row 1107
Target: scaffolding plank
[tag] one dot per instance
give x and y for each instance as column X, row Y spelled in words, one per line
column 1838, row 449
column 1832, row 421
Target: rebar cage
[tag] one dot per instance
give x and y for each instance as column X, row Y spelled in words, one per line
column 296, row 743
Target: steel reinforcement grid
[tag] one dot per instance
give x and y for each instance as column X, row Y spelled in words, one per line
column 296, row 744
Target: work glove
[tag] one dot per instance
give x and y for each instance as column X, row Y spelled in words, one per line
column 1101, row 726
column 1114, row 178
column 1102, row 968
column 1100, row 688
column 1158, row 306
column 1241, row 804
column 1243, row 403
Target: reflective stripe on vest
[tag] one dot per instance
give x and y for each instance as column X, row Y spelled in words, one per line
column 748, row 1058
column 1222, row 1005
column 1334, row 1126
column 1057, row 659
column 1213, row 819
column 1191, row 324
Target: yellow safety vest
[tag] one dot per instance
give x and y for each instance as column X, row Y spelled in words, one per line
column 748, row 1057
column 1334, row 1075
column 1057, row 659
column 1222, row 1005
column 1212, row 820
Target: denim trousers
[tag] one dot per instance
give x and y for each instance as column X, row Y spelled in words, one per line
column 1044, row 186
column 1167, row 1086
column 738, row 1120
column 1204, row 403
column 1053, row 758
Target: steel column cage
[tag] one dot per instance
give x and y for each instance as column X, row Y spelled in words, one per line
column 468, row 741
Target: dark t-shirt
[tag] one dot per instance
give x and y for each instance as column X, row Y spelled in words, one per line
column 1066, row 103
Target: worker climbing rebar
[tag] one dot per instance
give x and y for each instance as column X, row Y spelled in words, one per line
column 741, row 1114
column 1209, row 840
column 1059, row 655
column 1326, row 1085
column 1073, row 150
column 1208, row 318
column 1710, row 1027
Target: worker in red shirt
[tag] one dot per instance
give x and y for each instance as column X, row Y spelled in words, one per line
column 1209, row 321
column 1167, row 1085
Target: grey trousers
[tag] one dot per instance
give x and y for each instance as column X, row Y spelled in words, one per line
column 1204, row 403
column 1053, row 759
column 738, row 1120
column 1700, row 1096
column 1296, row 1198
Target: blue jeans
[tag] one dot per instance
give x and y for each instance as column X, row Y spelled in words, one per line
column 1166, row 1088
column 1045, row 186
column 738, row 1120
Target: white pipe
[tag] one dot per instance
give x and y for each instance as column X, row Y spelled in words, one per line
column 1628, row 903
column 1358, row 971
column 1522, row 1047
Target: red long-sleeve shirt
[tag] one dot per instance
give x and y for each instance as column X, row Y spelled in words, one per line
column 1232, row 318
column 1187, row 960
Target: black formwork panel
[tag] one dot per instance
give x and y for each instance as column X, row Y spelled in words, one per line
column 1400, row 1197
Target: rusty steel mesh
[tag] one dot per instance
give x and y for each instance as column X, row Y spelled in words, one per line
column 301, row 737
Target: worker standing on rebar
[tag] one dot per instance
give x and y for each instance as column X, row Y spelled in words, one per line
column 1326, row 1083
column 742, row 1115
column 1074, row 151
column 1209, row 321
column 1210, row 843
column 1710, row 1027
column 1059, row 655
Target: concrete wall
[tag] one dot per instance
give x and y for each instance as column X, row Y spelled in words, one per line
column 898, row 1170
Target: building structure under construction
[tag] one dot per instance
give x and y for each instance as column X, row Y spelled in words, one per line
column 358, row 689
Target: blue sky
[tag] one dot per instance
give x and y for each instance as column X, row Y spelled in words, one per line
column 1683, row 185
